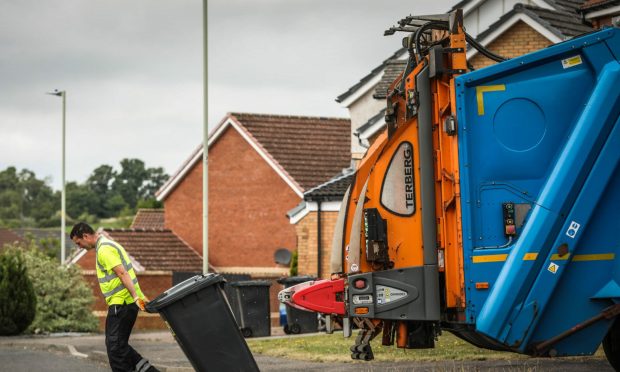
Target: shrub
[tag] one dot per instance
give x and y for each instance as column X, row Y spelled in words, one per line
column 17, row 297
column 64, row 299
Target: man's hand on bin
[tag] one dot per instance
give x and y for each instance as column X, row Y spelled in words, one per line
column 141, row 303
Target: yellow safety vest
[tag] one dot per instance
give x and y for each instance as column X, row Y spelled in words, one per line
column 109, row 255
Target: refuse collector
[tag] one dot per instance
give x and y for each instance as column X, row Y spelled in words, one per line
column 119, row 285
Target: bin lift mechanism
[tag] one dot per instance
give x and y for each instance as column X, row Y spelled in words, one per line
column 398, row 292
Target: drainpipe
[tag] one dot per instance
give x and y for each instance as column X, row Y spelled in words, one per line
column 319, row 238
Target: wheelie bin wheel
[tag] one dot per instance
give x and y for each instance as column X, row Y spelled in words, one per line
column 611, row 345
column 287, row 329
column 295, row 328
column 246, row 332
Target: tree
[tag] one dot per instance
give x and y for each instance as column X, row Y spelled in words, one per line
column 38, row 197
column 135, row 182
column 156, row 177
column 81, row 199
column 130, row 179
column 17, row 298
column 24, row 198
column 100, row 181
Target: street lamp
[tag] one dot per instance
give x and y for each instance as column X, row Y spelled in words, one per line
column 63, row 213
column 205, row 145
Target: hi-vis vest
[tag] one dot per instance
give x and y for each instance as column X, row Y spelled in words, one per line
column 111, row 254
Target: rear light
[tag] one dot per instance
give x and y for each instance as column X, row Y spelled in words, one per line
column 361, row 310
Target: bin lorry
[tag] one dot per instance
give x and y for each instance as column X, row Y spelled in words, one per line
column 489, row 207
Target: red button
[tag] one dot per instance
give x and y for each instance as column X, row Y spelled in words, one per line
column 511, row 230
column 359, row 283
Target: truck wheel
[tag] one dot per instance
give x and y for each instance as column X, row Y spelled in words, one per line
column 611, row 345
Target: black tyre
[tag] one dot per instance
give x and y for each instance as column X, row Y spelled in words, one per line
column 611, row 345
column 287, row 329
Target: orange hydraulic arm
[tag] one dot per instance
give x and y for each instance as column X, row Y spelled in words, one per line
column 401, row 218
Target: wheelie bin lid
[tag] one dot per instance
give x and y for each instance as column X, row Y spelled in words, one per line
column 183, row 289
column 252, row 283
column 296, row 279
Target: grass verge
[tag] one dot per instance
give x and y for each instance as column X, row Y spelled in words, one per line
column 335, row 348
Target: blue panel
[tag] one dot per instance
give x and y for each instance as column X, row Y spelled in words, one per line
column 530, row 131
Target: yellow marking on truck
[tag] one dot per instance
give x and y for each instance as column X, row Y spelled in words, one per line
column 578, row 257
column 485, row 89
column 594, row 257
column 490, row 258
column 557, row 257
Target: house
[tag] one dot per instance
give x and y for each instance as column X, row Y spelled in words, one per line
column 601, row 12
column 507, row 27
column 156, row 255
column 259, row 167
column 315, row 223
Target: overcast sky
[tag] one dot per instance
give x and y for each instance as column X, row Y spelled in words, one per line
column 133, row 71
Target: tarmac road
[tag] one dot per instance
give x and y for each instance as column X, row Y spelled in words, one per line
column 87, row 353
column 20, row 359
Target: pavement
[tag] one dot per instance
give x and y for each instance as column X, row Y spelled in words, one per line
column 159, row 347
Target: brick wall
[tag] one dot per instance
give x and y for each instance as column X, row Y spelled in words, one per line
column 152, row 284
column 518, row 40
column 603, row 21
column 307, row 236
column 248, row 201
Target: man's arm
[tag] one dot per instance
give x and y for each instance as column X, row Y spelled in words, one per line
column 123, row 275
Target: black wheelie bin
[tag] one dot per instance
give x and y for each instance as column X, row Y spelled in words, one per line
column 250, row 304
column 299, row 321
column 199, row 317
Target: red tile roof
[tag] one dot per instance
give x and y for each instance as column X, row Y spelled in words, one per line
column 310, row 149
column 157, row 249
column 148, row 219
column 9, row 237
column 306, row 150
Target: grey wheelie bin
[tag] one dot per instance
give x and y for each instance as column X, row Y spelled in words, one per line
column 299, row 321
column 197, row 313
column 250, row 304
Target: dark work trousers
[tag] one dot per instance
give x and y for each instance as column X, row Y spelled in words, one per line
column 119, row 322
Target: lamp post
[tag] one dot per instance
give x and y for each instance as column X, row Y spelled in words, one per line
column 205, row 148
column 63, row 95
